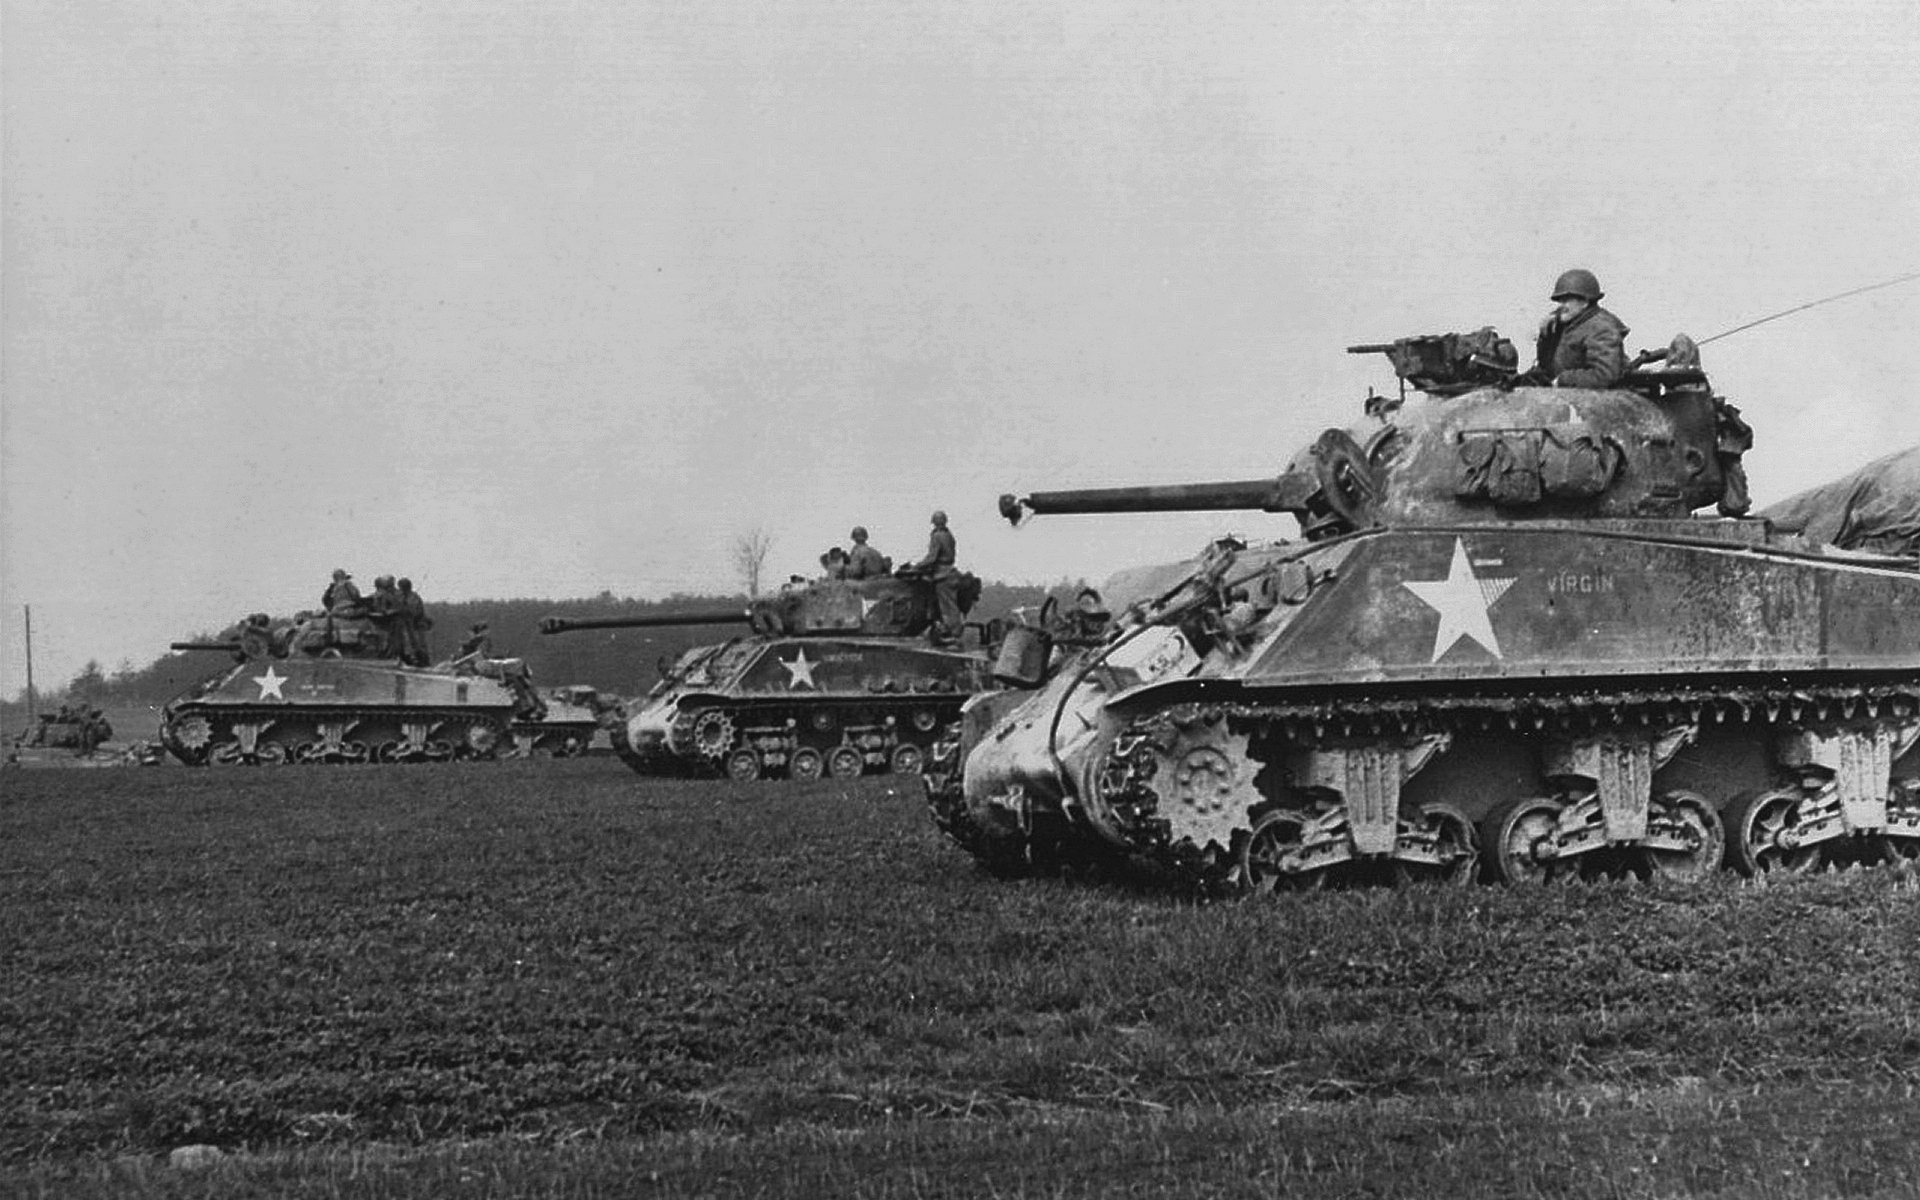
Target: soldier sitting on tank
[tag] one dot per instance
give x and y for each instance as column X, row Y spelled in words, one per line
column 385, row 607
column 1581, row 345
column 863, row 561
column 341, row 593
column 833, row 564
column 413, row 623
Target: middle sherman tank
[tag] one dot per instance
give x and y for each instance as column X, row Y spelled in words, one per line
column 1506, row 646
column 831, row 678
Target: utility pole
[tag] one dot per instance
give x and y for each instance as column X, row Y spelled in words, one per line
column 31, row 713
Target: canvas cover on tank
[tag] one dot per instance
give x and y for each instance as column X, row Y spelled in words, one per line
column 1875, row 508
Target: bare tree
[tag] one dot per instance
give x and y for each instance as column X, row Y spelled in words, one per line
column 750, row 552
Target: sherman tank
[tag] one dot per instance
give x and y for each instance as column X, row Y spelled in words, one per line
column 829, row 678
column 325, row 688
column 1505, row 644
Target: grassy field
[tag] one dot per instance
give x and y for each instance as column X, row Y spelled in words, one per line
column 558, row 979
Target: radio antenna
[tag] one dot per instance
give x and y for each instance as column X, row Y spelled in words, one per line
column 1787, row 312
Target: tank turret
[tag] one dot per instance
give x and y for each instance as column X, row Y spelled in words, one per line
column 1492, row 454
column 830, row 677
column 1507, row 645
column 890, row 606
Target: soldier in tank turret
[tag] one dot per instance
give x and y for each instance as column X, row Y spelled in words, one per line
column 938, row 569
column 341, row 593
column 479, row 644
column 863, row 561
column 833, row 564
column 1581, row 344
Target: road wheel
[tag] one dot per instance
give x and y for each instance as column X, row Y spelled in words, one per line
column 906, row 759
column 1689, row 815
column 1762, row 835
column 1519, row 839
column 1456, row 842
column 743, row 765
column 806, row 763
column 1263, row 859
column 846, row 762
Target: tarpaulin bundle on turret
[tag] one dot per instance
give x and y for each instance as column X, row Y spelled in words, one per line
column 1875, row 508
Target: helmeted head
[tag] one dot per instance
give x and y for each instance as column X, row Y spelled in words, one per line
column 383, row 581
column 406, row 585
column 340, row 573
column 859, row 533
column 1577, row 282
column 939, row 518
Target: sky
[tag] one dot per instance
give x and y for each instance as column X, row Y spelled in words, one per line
column 551, row 300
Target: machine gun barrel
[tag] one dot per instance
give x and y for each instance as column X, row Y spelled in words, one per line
column 1266, row 495
column 229, row 647
column 1371, row 348
column 709, row 616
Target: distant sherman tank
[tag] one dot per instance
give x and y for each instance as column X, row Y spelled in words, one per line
column 833, row 678
column 324, row 688
column 69, row 736
column 1505, row 646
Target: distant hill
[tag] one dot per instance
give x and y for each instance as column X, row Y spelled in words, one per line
column 615, row 660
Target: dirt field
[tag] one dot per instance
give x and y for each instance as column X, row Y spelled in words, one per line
column 560, row 979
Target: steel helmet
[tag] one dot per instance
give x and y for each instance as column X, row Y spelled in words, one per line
column 859, row 533
column 939, row 517
column 1577, row 282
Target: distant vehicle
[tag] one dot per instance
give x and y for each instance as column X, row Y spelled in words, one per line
column 67, row 737
column 1505, row 646
column 325, row 688
column 834, row 679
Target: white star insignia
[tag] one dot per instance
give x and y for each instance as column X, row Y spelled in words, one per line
column 867, row 606
column 799, row 671
column 270, row 684
column 1462, row 600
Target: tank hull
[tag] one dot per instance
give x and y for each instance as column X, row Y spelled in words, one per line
column 339, row 710
column 801, row 708
column 1519, row 700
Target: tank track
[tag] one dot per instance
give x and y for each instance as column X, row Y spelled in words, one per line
column 811, row 741
column 227, row 736
column 1249, row 795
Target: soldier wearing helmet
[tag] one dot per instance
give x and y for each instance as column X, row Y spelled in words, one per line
column 863, row 561
column 1581, row 344
column 938, row 568
column 341, row 593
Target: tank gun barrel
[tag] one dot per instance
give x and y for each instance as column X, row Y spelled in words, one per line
column 229, row 647
column 708, row 616
column 1283, row 494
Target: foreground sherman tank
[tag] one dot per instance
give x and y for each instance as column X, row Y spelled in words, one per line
column 1505, row 646
column 324, row 689
column 834, row 679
